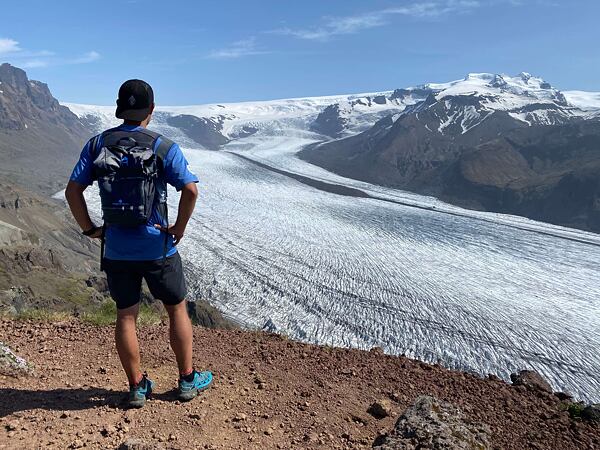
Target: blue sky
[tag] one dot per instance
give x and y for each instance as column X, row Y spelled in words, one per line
column 223, row 51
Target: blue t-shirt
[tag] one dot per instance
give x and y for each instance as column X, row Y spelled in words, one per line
column 145, row 242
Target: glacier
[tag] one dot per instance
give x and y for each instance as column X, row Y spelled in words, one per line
column 477, row 295
column 487, row 293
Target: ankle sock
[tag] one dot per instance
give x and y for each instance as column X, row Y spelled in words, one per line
column 189, row 377
column 139, row 383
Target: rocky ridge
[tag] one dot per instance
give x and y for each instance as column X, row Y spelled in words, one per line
column 40, row 139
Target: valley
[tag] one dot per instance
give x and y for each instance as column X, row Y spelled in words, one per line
column 281, row 244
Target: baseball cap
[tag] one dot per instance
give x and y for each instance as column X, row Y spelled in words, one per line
column 135, row 100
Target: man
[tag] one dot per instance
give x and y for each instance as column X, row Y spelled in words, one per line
column 148, row 248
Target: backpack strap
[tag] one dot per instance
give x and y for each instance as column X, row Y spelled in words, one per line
column 164, row 145
column 92, row 151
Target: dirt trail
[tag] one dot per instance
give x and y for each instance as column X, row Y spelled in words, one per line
column 269, row 392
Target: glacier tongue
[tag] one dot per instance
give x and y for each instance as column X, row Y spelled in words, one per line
column 476, row 291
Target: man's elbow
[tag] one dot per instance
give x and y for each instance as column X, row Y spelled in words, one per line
column 191, row 190
column 73, row 190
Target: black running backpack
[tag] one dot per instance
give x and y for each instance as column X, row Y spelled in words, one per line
column 128, row 172
column 130, row 175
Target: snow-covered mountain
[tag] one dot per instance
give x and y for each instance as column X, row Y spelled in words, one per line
column 498, row 143
column 428, row 139
column 214, row 125
column 531, row 100
column 466, row 103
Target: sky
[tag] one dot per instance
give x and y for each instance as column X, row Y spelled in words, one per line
column 195, row 52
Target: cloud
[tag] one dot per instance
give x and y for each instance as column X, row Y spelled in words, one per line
column 336, row 26
column 8, row 46
column 11, row 50
column 239, row 49
column 33, row 64
column 86, row 58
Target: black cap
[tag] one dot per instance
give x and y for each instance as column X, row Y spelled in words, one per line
column 135, row 100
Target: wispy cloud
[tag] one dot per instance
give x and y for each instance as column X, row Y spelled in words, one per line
column 12, row 51
column 33, row 64
column 8, row 46
column 85, row 58
column 335, row 26
column 239, row 49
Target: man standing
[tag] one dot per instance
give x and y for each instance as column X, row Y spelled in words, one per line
column 133, row 166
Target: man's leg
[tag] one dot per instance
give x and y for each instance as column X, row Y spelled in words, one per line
column 127, row 342
column 167, row 283
column 180, row 334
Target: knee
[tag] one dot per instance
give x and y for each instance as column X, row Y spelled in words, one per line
column 127, row 316
column 175, row 310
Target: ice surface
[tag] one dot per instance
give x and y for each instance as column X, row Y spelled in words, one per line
column 481, row 292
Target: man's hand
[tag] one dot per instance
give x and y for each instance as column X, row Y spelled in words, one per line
column 189, row 193
column 97, row 234
column 176, row 231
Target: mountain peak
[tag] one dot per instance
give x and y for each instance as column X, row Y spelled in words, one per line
column 525, row 76
column 13, row 76
column 24, row 101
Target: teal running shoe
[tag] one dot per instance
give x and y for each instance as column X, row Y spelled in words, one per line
column 140, row 392
column 190, row 389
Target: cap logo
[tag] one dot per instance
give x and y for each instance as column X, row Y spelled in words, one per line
column 131, row 100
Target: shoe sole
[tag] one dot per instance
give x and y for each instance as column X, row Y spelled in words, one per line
column 187, row 396
column 136, row 405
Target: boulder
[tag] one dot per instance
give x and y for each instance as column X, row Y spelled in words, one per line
column 138, row 444
column 380, row 409
column 11, row 364
column 591, row 413
column 433, row 424
column 564, row 396
column 531, row 380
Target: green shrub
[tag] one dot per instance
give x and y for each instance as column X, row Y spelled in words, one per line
column 106, row 314
column 575, row 410
column 43, row 315
column 149, row 315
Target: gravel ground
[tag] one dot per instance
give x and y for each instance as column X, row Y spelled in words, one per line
column 269, row 392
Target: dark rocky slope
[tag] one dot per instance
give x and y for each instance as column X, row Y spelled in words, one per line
column 205, row 131
column 39, row 138
column 545, row 172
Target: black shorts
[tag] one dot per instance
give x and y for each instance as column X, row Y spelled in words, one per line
column 125, row 280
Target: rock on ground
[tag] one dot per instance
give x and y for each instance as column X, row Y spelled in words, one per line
column 138, row 444
column 530, row 379
column 380, row 409
column 433, row 424
column 11, row 364
column 591, row 413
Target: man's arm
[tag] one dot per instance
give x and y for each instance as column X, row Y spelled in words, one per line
column 76, row 201
column 187, row 202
